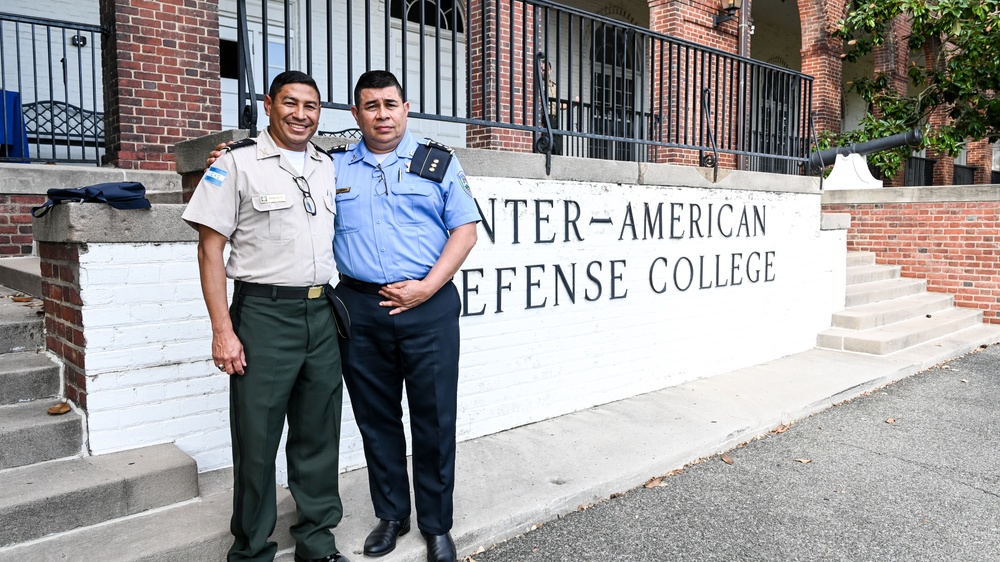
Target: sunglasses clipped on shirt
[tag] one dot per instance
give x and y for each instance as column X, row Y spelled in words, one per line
column 307, row 199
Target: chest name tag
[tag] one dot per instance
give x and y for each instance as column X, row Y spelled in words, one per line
column 273, row 198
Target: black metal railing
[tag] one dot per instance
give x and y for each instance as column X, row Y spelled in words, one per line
column 50, row 77
column 918, row 171
column 622, row 91
column 964, row 175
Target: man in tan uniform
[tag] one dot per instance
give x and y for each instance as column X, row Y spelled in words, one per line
column 272, row 199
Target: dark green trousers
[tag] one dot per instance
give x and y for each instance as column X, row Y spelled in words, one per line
column 293, row 370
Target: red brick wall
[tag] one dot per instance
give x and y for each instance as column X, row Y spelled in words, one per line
column 951, row 244
column 15, row 223
column 161, row 72
column 60, row 265
column 515, row 49
column 821, row 59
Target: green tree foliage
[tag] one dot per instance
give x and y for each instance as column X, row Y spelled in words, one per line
column 958, row 70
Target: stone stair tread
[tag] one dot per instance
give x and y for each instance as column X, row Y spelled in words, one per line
column 193, row 530
column 56, row 496
column 894, row 337
column 26, row 376
column 883, row 284
column 873, row 291
column 887, row 311
column 860, row 258
column 866, row 273
column 28, row 434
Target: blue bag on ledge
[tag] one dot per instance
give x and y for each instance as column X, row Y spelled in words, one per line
column 120, row 195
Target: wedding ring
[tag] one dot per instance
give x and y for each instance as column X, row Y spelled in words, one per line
column 221, row 367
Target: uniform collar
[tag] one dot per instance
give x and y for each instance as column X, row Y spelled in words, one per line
column 404, row 149
column 266, row 147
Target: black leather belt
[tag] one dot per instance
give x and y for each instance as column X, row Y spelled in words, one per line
column 360, row 286
column 278, row 292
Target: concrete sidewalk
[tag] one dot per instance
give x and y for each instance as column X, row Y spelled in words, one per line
column 509, row 481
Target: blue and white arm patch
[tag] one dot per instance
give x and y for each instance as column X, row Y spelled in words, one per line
column 215, row 176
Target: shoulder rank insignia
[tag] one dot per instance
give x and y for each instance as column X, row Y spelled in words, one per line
column 332, row 150
column 430, row 161
column 241, row 144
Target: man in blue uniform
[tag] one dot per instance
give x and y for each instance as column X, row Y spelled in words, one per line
column 406, row 221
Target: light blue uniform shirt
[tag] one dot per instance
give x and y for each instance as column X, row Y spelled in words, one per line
column 391, row 225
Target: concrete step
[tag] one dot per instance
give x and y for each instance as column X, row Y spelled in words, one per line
column 874, row 291
column 57, row 496
column 27, row 376
column 195, row 530
column 887, row 339
column 22, row 274
column 866, row 273
column 21, row 323
column 880, row 313
column 28, row 434
column 860, row 258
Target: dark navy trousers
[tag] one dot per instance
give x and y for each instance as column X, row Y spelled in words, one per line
column 418, row 349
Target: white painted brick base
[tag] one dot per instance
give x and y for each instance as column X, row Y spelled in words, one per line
column 151, row 380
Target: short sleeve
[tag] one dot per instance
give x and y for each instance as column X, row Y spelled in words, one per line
column 215, row 202
column 459, row 205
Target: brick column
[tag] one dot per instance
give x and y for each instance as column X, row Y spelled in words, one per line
column 691, row 20
column 60, row 269
column 821, row 59
column 980, row 155
column 488, row 41
column 161, row 78
column 891, row 59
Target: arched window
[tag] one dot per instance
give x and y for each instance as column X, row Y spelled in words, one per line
column 443, row 10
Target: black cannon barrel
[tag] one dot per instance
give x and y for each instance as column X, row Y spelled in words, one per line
column 829, row 156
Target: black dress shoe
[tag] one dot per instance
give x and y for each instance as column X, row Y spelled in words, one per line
column 440, row 548
column 382, row 539
column 335, row 557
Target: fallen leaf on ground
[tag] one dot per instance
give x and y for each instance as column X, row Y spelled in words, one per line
column 22, row 299
column 727, row 459
column 616, row 495
column 479, row 550
column 654, row 482
column 803, row 461
column 782, row 428
column 59, row 409
column 890, row 420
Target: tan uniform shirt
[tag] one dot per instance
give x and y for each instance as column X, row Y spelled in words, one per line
column 250, row 196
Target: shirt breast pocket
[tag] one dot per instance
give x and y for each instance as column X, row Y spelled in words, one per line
column 348, row 211
column 416, row 200
column 277, row 215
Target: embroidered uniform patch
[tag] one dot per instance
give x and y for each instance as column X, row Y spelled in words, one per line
column 215, row 176
column 465, row 182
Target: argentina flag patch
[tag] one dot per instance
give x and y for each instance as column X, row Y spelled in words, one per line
column 215, row 176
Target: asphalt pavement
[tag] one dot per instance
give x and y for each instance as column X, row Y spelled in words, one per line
column 906, row 472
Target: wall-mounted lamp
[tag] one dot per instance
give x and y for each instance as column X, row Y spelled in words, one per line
column 728, row 11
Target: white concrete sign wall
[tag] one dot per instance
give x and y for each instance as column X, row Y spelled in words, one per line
column 577, row 294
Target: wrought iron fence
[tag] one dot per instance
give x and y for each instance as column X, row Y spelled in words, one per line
column 613, row 90
column 964, row 175
column 50, row 77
